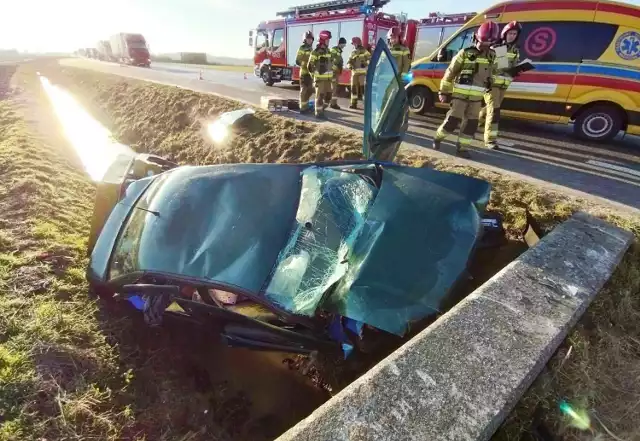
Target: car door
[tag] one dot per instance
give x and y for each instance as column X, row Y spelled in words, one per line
column 386, row 107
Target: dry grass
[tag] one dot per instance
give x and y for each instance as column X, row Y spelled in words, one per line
column 601, row 371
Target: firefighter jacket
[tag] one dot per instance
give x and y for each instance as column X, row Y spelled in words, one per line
column 320, row 65
column 336, row 60
column 401, row 54
column 302, row 58
column 359, row 60
column 503, row 80
column 470, row 74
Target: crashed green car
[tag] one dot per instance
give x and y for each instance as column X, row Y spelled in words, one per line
column 291, row 257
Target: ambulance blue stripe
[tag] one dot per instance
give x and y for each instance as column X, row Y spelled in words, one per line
column 586, row 69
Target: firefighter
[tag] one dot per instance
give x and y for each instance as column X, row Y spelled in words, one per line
column 302, row 59
column 338, row 66
column 466, row 80
column 358, row 63
column 320, row 67
column 398, row 50
column 501, row 81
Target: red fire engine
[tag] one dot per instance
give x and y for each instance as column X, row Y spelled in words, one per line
column 276, row 42
column 432, row 31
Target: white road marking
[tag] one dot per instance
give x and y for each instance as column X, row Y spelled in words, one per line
column 614, row 167
column 506, row 143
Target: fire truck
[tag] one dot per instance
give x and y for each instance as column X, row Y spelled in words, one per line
column 276, row 42
column 432, row 31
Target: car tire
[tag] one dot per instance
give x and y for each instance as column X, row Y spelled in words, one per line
column 420, row 99
column 598, row 123
column 266, row 77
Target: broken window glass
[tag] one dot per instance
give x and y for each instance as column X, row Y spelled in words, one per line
column 331, row 213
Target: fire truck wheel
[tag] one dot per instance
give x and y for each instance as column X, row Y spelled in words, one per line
column 420, row 99
column 266, row 77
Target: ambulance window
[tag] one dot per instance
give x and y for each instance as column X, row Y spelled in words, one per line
column 278, row 37
column 460, row 41
column 427, row 42
column 562, row 42
column 600, row 37
column 448, row 32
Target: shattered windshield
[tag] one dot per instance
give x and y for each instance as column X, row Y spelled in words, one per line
column 331, row 213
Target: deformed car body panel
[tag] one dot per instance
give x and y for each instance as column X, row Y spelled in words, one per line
column 224, row 223
column 414, row 247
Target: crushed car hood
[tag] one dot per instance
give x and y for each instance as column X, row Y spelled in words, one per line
column 386, row 256
column 416, row 243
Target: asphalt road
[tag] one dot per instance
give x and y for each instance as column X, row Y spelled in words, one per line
column 541, row 151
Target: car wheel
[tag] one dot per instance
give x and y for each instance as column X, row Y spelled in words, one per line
column 598, row 123
column 420, row 99
column 266, row 77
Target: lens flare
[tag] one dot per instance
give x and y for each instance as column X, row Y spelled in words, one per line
column 218, row 131
column 577, row 418
column 92, row 142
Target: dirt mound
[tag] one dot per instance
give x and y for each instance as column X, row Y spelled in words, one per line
column 173, row 122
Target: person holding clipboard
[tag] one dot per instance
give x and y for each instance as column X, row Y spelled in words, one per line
column 507, row 59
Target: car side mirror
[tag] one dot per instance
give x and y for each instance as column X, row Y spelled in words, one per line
column 250, row 33
column 442, row 55
column 250, row 42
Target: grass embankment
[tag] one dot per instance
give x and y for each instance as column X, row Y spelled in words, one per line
column 58, row 374
column 67, row 369
column 600, row 371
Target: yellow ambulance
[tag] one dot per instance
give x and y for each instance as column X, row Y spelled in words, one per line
column 587, row 65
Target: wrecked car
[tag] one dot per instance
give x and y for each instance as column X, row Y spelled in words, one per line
column 290, row 257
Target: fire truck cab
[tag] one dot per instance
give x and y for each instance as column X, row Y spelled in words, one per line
column 276, row 42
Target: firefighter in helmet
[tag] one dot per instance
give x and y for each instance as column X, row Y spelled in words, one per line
column 501, row 81
column 398, row 50
column 306, row 82
column 358, row 63
column 466, row 80
column 320, row 66
column 338, row 66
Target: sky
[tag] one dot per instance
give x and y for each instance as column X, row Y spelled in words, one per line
column 218, row 27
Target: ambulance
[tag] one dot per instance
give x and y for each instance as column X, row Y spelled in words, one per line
column 587, row 65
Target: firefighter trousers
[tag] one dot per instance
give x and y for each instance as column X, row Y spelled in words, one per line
column 334, row 91
column 460, row 110
column 491, row 114
column 323, row 91
column 306, row 90
column 357, row 87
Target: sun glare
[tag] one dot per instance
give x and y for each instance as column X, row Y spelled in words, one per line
column 92, row 142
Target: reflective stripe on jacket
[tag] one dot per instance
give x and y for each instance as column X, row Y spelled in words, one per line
column 336, row 60
column 320, row 65
column 302, row 58
column 359, row 60
column 401, row 54
column 469, row 75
